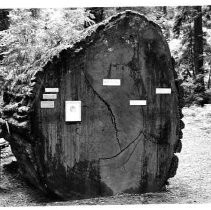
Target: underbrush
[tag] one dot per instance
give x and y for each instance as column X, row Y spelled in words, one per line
column 194, row 93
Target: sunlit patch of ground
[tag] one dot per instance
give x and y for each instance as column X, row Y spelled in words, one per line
column 192, row 183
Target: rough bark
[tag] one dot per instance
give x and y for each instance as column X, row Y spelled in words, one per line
column 116, row 147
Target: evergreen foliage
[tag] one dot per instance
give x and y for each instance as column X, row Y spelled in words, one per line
column 193, row 55
column 35, row 36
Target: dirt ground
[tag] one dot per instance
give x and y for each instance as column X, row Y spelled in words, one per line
column 192, row 183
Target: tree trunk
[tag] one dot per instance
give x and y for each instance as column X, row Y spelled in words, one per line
column 208, row 84
column 4, row 23
column 198, row 47
column 4, row 20
column 164, row 10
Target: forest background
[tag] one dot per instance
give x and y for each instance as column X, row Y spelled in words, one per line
column 29, row 38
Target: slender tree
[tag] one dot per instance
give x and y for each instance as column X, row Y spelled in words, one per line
column 4, row 19
column 198, row 48
column 4, row 23
column 164, row 10
column 188, row 26
column 198, row 41
column 189, row 23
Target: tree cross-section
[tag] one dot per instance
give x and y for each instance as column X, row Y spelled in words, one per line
column 127, row 111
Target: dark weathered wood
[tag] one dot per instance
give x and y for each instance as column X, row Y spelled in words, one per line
column 116, row 147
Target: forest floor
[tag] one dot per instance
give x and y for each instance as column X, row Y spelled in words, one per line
column 192, row 183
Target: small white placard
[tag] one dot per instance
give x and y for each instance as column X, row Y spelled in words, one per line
column 51, row 90
column 72, row 111
column 111, row 82
column 47, row 104
column 138, row 102
column 163, row 90
column 49, row 96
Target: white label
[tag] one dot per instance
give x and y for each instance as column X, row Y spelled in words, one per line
column 51, row 90
column 72, row 111
column 49, row 96
column 163, row 90
column 47, row 104
column 111, row 82
column 138, row 102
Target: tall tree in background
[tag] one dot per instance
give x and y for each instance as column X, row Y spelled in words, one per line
column 4, row 19
column 164, row 10
column 188, row 27
column 198, row 41
column 188, row 24
column 198, row 48
column 4, row 23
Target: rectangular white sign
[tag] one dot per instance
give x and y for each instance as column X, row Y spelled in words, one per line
column 51, row 90
column 49, row 96
column 111, row 82
column 72, row 111
column 138, row 102
column 163, row 90
column 47, row 104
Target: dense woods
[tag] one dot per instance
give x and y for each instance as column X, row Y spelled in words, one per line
column 31, row 37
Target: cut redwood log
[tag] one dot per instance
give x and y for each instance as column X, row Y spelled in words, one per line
column 111, row 145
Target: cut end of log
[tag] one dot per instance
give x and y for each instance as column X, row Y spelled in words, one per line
column 115, row 146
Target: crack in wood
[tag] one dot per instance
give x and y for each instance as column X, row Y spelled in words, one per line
column 155, row 141
column 107, row 158
column 131, row 153
column 113, row 119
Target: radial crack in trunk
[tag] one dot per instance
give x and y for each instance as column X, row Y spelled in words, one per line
column 113, row 119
